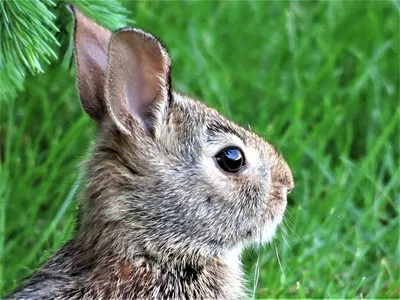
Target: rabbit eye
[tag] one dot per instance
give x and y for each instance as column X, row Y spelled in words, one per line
column 230, row 159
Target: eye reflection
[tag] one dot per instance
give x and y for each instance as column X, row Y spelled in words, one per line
column 230, row 159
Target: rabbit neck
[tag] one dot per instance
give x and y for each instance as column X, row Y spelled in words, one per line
column 113, row 276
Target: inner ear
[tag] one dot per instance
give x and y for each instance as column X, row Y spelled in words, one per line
column 138, row 83
column 91, row 54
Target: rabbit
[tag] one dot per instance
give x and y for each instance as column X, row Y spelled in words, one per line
column 174, row 190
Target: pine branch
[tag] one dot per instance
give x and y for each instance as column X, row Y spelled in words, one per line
column 27, row 34
column 11, row 82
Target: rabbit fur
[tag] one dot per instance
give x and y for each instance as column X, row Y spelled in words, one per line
column 159, row 218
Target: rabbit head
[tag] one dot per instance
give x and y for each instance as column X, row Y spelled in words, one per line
column 168, row 176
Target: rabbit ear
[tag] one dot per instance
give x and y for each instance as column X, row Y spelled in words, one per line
column 138, row 80
column 91, row 55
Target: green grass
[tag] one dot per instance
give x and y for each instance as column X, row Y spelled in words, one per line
column 320, row 80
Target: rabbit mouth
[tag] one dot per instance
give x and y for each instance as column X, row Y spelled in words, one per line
column 265, row 233
column 268, row 231
column 272, row 218
column 263, row 227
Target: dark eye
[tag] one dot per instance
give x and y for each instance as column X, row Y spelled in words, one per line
column 230, row 159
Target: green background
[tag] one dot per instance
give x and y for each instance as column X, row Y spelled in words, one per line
column 320, row 80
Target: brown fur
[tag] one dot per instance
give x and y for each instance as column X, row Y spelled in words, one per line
column 159, row 218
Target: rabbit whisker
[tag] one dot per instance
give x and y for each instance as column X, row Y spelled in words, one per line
column 279, row 262
column 257, row 269
column 283, row 237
